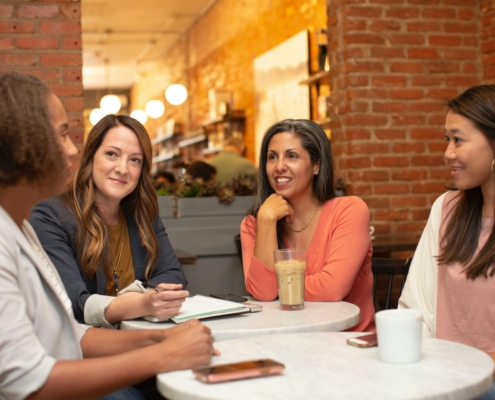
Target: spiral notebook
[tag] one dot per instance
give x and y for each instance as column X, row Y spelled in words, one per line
column 200, row 307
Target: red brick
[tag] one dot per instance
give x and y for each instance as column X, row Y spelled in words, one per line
column 465, row 14
column 355, row 25
column 438, row 119
column 488, row 46
column 406, row 94
column 365, row 120
column 30, row 42
column 72, row 75
column 460, row 27
column 384, row 26
column 37, row 11
column 443, row 173
column 437, row 147
column 363, row 38
column 366, row 148
column 408, row 119
column 443, row 66
column 390, row 134
column 420, row 214
column 407, row 39
column 411, row 67
column 63, row 59
column 18, row 59
column 6, row 11
column 73, row 104
column 368, row 176
column 441, row 93
column 426, row 106
column 422, row 53
column 462, row 81
column 470, row 41
column 72, row 43
column 391, row 215
column 424, row 2
column 378, row 202
column 390, row 161
column 360, row 190
column 75, row 120
column 60, row 27
column 439, row 13
column 354, row 52
column 16, row 27
column 410, row 175
column 427, row 160
column 426, row 133
column 71, row 11
column 359, row 106
column 392, row 107
column 366, row 12
column 364, row 66
column 68, row 90
column 356, row 80
column 389, row 80
column 357, row 162
column 45, row 74
column 408, row 147
column 387, row 52
column 444, row 40
column 6, row 43
column 402, row 12
column 431, row 187
column 409, row 201
column 357, row 134
column 386, row 2
column 427, row 80
column 391, row 188
column 464, row 54
column 424, row 27
column 366, row 94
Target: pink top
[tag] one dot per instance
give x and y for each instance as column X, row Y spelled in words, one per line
column 465, row 308
column 338, row 260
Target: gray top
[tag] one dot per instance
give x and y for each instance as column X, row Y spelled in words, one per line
column 55, row 226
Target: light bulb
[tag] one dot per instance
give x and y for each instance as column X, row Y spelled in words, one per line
column 176, row 94
column 110, row 104
column 154, row 108
column 95, row 115
column 140, row 115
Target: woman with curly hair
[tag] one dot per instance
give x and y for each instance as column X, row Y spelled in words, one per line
column 104, row 234
column 41, row 344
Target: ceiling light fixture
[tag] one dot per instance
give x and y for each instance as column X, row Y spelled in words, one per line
column 176, row 94
column 140, row 115
column 154, row 108
column 110, row 104
column 95, row 115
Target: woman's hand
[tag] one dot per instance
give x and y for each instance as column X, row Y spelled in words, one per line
column 164, row 304
column 274, row 208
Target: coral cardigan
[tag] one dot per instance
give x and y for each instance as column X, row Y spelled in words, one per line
column 338, row 260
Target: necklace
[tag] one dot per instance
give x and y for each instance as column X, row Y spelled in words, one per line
column 115, row 275
column 310, row 218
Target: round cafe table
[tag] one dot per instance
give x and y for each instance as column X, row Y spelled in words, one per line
column 316, row 317
column 322, row 366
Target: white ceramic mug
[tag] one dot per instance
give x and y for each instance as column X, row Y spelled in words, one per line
column 399, row 335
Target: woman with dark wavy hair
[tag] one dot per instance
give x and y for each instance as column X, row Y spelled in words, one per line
column 296, row 208
column 452, row 276
column 44, row 352
column 104, row 234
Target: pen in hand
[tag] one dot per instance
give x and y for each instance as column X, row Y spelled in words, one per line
column 158, row 288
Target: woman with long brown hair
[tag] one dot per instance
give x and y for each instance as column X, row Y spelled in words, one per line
column 104, row 234
column 452, row 276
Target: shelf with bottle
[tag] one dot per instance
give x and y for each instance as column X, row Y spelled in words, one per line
column 165, row 143
column 221, row 129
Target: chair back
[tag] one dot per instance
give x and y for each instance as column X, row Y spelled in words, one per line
column 389, row 267
column 237, row 240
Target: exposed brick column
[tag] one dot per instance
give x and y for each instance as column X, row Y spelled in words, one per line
column 393, row 63
column 488, row 40
column 44, row 39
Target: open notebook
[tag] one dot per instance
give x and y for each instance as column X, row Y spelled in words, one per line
column 200, row 307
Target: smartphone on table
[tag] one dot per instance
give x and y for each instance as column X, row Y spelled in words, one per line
column 239, row 370
column 364, row 341
column 229, row 297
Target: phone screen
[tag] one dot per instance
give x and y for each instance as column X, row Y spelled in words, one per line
column 229, row 297
column 240, row 370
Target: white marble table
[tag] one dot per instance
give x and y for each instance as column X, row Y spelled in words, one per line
column 316, row 317
column 322, row 366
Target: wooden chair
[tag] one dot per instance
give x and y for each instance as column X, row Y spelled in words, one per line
column 389, row 267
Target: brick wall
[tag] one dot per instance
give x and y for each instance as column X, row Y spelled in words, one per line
column 488, row 40
column 221, row 47
column 43, row 38
column 393, row 64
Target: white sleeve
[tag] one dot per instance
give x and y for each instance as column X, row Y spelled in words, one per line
column 420, row 291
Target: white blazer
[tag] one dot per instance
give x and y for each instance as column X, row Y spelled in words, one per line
column 37, row 326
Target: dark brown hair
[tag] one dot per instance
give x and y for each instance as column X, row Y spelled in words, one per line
column 462, row 233
column 315, row 142
column 28, row 145
column 92, row 236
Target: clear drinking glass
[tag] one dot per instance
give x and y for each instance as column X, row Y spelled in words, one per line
column 290, row 265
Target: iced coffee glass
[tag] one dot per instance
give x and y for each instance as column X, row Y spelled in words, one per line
column 290, row 265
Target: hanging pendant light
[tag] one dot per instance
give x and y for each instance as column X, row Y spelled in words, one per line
column 110, row 104
column 95, row 115
column 140, row 115
column 176, row 94
column 154, row 108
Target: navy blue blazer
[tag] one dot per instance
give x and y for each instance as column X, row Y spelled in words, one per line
column 55, row 226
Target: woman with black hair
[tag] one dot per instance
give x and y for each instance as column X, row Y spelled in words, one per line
column 296, row 208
